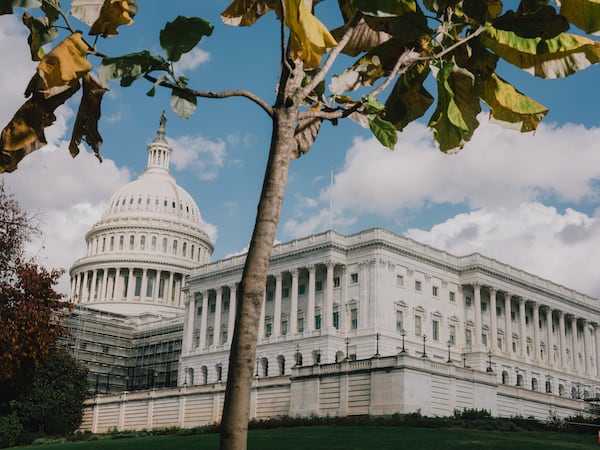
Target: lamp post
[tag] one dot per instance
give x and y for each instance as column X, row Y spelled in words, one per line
column 518, row 379
column 403, row 334
column 376, row 345
column 424, row 355
column 297, row 354
column 256, row 374
column 318, row 358
column 489, row 367
column 464, row 357
column 449, row 344
column 347, row 344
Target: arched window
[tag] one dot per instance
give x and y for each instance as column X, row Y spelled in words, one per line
column 175, row 246
column 112, row 243
column 164, row 245
column 504, row 377
column 534, row 384
column 143, row 243
column 131, row 241
column 548, row 387
column 204, row 370
column 219, row 370
column 184, row 249
column 281, row 364
column 121, row 241
column 153, row 248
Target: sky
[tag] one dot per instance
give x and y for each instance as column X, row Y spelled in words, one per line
column 528, row 200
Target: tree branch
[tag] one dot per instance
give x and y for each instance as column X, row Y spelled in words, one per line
column 223, row 94
column 320, row 76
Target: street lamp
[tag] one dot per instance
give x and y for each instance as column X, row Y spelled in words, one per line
column 403, row 334
column 256, row 374
column 518, row 379
column 464, row 357
column 449, row 344
column 377, row 345
column 424, row 355
column 297, row 354
column 347, row 344
column 318, row 358
column 489, row 367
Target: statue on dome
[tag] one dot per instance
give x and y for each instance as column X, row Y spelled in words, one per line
column 163, row 119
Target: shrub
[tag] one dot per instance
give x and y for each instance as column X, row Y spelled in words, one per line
column 10, row 430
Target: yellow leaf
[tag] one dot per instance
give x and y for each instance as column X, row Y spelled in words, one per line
column 112, row 14
column 310, row 39
column 65, row 63
column 246, row 12
column 88, row 115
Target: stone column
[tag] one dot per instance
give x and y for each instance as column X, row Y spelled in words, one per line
column 118, row 295
column 477, row 317
column 328, row 303
column 103, row 296
column 93, row 286
column 493, row 320
column 130, row 285
column 189, row 324
column 536, row 331
column 203, row 321
column 562, row 340
column 309, row 316
column 155, row 285
column 169, row 292
column 344, row 300
column 549, row 340
column 232, row 309
column 217, row 322
column 522, row 327
column 508, row 321
column 144, row 286
column 597, row 334
column 277, row 306
column 574, row 346
column 293, row 325
column 586, row 348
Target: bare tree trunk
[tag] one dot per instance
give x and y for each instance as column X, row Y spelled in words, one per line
column 236, row 410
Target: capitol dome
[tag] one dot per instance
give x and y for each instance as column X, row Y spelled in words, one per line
column 147, row 241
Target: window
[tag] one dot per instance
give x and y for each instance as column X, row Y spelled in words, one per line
column 336, row 282
column 131, row 241
column 319, row 285
column 150, row 285
column 418, row 285
column 418, row 325
column 300, row 324
column 211, row 337
column 285, row 292
column 105, row 349
column 452, row 296
column 269, row 296
column 353, row 318
column 526, row 320
column 336, row 320
column 484, row 339
column 199, row 311
column 498, row 311
column 161, row 287
column 468, row 301
column 484, row 307
column 399, row 280
column 112, row 242
column 121, row 239
column 224, row 337
column 353, row 278
column 399, row 321
column 184, row 249
column 103, row 244
column 164, row 245
column 468, row 339
column 226, row 305
column 452, row 333
column 513, row 316
column 138, row 286
column 153, row 245
column 284, row 327
column 212, row 306
column 317, row 321
column 268, row 329
column 143, row 243
column 435, row 330
column 175, row 247
column 434, row 291
column 301, row 289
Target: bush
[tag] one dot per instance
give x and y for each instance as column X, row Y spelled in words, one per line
column 10, row 430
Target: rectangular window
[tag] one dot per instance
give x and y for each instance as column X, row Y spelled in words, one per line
column 224, row 337
column 319, row 285
column 226, row 305
column 435, row 330
column 150, row 286
column 210, row 338
column 418, row 286
column 434, row 291
column 285, row 292
column 513, row 316
column 418, row 325
column 468, row 301
column 353, row 278
column 399, row 321
column 301, row 289
column 526, row 320
column 498, row 311
column 300, row 324
column 138, row 286
column 269, row 296
column 268, row 329
column 318, row 322
column 336, row 320
column 212, row 306
column 199, row 311
column 354, row 319
column 399, row 280
column 452, row 296
column 468, row 339
column 483, row 307
column 484, row 338
column 452, row 337
column 161, row 287
column 284, row 327
column 336, row 282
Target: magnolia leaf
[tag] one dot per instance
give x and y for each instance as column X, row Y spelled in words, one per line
column 449, row 127
column 482, row 10
column 561, row 56
column 183, row 104
column 88, row 115
column 372, row 105
column 130, row 67
column 52, row 10
column 63, row 64
column 309, row 38
column 246, row 12
column 410, row 26
column 112, row 14
column 41, row 32
column 88, row 11
column 510, row 107
column 384, row 8
column 384, row 131
column 363, row 38
column 182, row 35
column 305, row 135
column 25, row 132
column 462, row 83
column 409, row 100
column 543, row 23
column 364, row 73
column 6, row 6
column 440, row 6
column 159, row 79
column 584, row 14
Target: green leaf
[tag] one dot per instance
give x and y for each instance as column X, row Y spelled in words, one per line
column 409, row 100
column 584, row 14
column 130, row 67
column 52, row 10
column 373, row 106
column 6, row 6
column 183, row 104
column 450, row 130
column 510, row 107
column 408, row 27
column 41, row 32
column 384, row 131
column 364, row 72
column 246, row 12
column 182, row 35
column 561, row 56
column 544, row 23
column 384, row 8
column 482, row 10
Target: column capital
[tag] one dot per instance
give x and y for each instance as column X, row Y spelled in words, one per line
column 233, row 285
column 491, row 290
column 476, row 284
column 508, row 295
column 294, row 271
column 277, row 275
column 330, row 264
column 311, row 268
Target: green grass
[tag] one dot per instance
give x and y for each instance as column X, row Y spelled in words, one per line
column 352, row 438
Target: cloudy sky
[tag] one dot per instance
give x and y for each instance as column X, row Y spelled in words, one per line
column 529, row 200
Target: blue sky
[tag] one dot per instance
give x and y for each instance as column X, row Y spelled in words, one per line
column 527, row 200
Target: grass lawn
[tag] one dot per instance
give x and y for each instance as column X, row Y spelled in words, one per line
column 353, row 438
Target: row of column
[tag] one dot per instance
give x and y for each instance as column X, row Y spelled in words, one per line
column 107, row 285
column 591, row 332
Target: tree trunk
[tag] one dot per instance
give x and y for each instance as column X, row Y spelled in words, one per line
column 236, row 410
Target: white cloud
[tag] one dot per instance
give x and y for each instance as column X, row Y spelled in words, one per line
column 562, row 248
column 198, row 155
column 191, row 60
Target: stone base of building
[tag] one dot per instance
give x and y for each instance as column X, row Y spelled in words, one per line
column 376, row 386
